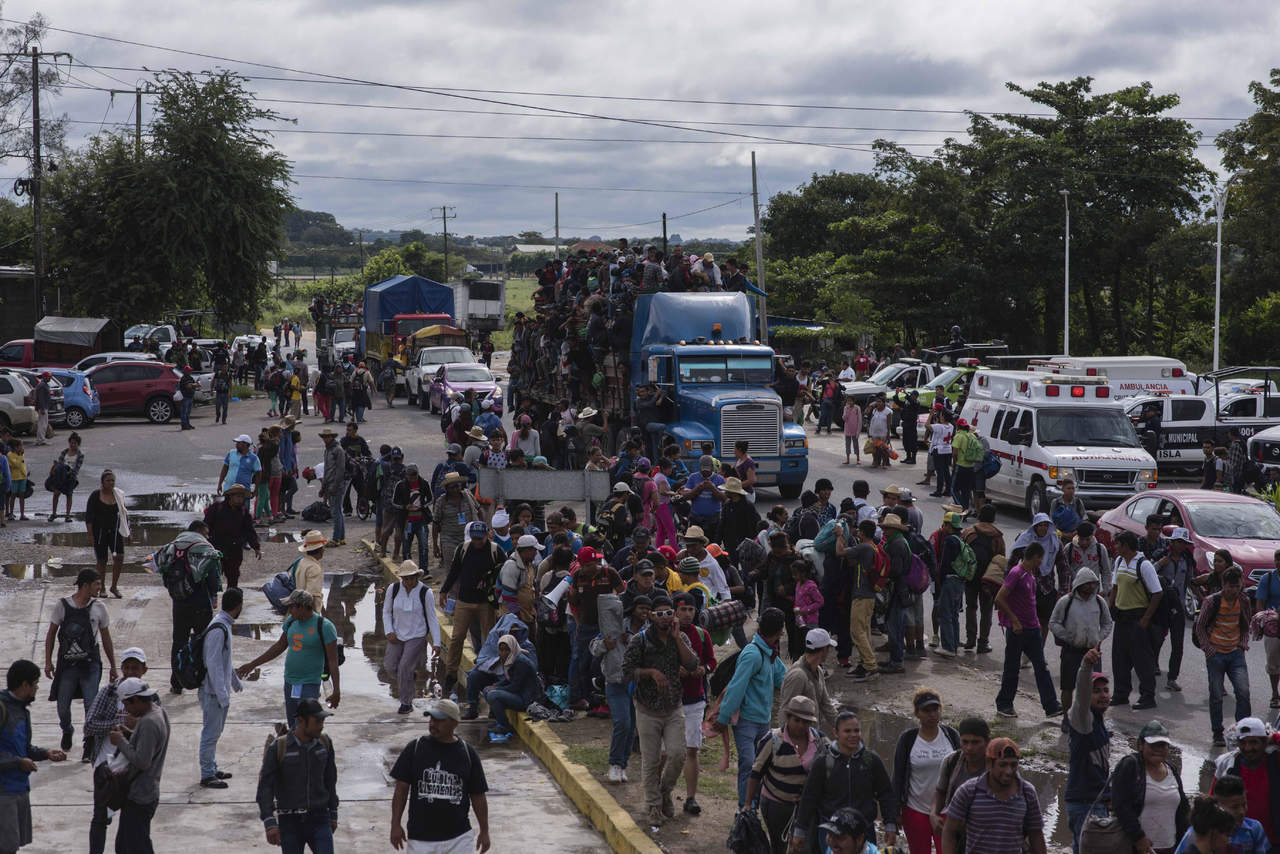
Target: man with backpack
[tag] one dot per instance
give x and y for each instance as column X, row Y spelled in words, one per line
column 473, row 567
column 312, row 644
column 231, row 531
column 967, row 452
column 987, row 542
column 391, row 474
column 845, row 773
column 75, row 623
column 408, row 614
column 298, row 784
column 808, row 677
column 192, row 573
column 900, row 596
column 957, row 565
column 1081, row 621
column 758, row 671
column 1222, row 632
column 215, row 689
column 1136, row 599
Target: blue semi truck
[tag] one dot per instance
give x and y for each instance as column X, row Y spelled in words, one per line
column 701, row 350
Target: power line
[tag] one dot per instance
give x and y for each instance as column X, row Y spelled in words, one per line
column 653, row 221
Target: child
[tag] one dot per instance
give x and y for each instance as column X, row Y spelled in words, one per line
column 1249, row 837
column 808, row 597
column 18, row 474
column 660, row 509
column 852, row 430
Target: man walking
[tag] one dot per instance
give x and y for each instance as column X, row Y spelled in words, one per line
column 144, row 751
column 997, row 812
column 231, row 531
column 241, row 465
column 333, row 486
column 215, row 692
column 845, row 773
column 408, row 613
column 1080, row 622
column 43, row 401
column 749, row 694
column 861, row 562
column 391, row 522
column 1016, row 603
column 653, row 661
column 474, row 568
column 18, row 756
column 1135, row 598
column 807, row 676
column 592, row 580
column 192, row 577
column 1222, row 631
column 75, row 623
column 1177, row 568
column 298, row 785
column 440, row 778
column 693, row 686
column 454, row 509
column 107, row 712
column 312, row 644
column 967, row 453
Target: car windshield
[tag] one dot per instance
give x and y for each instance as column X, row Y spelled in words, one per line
column 138, row 329
column 726, row 369
column 1234, row 520
column 1088, row 427
column 343, row 336
column 445, row 355
column 944, row 379
column 882, row 376
column 469, row 374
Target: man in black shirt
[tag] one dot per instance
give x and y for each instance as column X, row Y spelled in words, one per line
column 474, row 569
column 444, row 777
column 788, row 387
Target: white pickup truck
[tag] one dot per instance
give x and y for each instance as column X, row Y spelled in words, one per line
column 419, row 374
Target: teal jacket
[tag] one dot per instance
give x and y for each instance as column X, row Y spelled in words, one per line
column 756, row 675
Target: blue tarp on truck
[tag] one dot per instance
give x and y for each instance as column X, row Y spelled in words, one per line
column 404, row 295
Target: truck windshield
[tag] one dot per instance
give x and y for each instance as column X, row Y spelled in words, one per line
column 945, row 378
column 754, row 370
column 408, row 327
column 888, row 372
column 342, row 336
column 1096, row 427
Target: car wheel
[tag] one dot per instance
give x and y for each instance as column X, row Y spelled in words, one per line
column 1037, row 500
column 76, row 417
column 423, row 400
column 790, row 491
column 159, row 410
column 412, row 398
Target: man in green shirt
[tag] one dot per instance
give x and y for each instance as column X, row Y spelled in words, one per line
column 966, row 451
column 312, row 644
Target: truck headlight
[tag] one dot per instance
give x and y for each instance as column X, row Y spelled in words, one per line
column 1148, row 476
column 1056, row 473
column 789, row 444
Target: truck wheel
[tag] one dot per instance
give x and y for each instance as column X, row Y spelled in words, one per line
column 76, row 417
column 159, row 410
column 790, row 491
column 423, row 400
column 410, row 397
column 1037, row 501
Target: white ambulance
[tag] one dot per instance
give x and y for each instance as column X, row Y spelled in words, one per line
column 1044, row 427
column 1127, row 375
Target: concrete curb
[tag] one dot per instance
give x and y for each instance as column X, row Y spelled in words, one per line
column 588, row 795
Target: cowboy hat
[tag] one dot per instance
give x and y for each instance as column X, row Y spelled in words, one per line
column 587, row 413
column 893, row 522
column 476, row 433
column 235, row 489
column 734, row 485
column 693, row 534
column 891, row 489
column 454, row 477
column 407, row 569
column 288, row 422
column 328, row 433
column 312, row 541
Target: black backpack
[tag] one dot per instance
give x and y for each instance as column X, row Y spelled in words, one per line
column 191, row 670
column 178, row 578
column 76, row 641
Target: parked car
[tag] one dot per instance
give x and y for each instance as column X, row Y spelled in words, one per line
column 79, row 397
column 1244, row 526
column 101, row 358
column 57, row 406
column 136, row 388
column 17, row 409
column 426, row 362
column 460, row 377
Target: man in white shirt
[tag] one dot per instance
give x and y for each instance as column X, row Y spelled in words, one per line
column 408, row 612
column 846, row 374
column 706, row 265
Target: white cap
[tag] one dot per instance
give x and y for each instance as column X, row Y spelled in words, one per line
column 134, row 652
column 1250, row 728
column 500, row 519
column 1181, row 534
column 528, row 541
column 817, row 639
column 244, row 437
column 133, row 687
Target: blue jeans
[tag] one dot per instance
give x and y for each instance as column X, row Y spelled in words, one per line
column 418, row 531
column 580, row 661
column 896, row 626
column 221, row 402
column 359, row 412
column 499, row 701
column 477, row 681
column 86, row 677
column 827, row 412
column 215, row 718
column 745, row 736
column 299, row 831
column 1232, row 666
column 311, row 689
column 1027, row 642
column 622, row 738
column 1077, row 812
column 187, row 403
column 335, row 509
column 950, row 603
column 339, row 411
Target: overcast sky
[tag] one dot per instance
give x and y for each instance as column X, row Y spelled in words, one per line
column 808, row 53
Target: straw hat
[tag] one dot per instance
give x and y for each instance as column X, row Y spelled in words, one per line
column 288, row 422
column 407, row 569
column 477, row 433
column 693, row 534
column 454, row 477
column 312, row 541
column 327, row 433
column 893, row 522
column 587, row 413
column 734, row 485
column 235, row 489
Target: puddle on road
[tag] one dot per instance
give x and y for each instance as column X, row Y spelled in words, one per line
column 171, row 502
column 33, row 571
column 880, row 730
column 139, row 535
column 283, row 536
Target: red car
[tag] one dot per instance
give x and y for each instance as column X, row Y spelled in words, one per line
column 136, row 388
column 1244, row 526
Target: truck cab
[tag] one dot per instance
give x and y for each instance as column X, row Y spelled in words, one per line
column 700, row 350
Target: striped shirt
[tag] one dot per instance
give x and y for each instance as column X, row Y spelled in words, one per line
column 992, row 825
column 1224, row 634
column 781, row 770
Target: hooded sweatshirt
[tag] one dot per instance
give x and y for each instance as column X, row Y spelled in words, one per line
column 15, row 745
column 1094, row 556
column 1052, row 545
column 1077, row 622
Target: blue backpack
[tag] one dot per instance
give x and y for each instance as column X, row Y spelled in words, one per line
column 1066, row 519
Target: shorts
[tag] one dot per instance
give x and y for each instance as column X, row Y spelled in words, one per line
column 979, row 480
column 463, row 844
column 15, row 821
column 1273, row 654
column 693, row 713
column 19, row 488
column 108, row 545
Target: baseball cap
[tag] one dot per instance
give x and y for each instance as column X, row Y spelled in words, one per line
column 1251, row 728
column 477, row 529
column 501, row 519
column 134, row 652
column 1154, row 732
column 311, row 708
column 1181, row 534
column 134, row 687
column 454, row 448
column 527, row 541
column 586, row 554
column 1002, row 748
column 640, row 532
column 444, row 710
column 396, row 453
column 244, row 437
column 1096, row 676
column 955, row 520
column 645, row 567
column 846, row 821
column 817, row 639
column 927, row 699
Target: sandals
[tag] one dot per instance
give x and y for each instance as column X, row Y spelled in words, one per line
column 1275, row 702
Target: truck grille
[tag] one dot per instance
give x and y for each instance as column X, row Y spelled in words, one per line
column 1105, row 477
column 1267, row 452
column 758, row 423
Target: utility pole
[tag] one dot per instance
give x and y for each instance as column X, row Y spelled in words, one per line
column 444, row 216
column 755, row 204
column 361, row 236
column 557, row 226
column 1066, row 275
column 137, row 126
column 664, row 234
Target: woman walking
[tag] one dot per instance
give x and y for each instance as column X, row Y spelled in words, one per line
column 917, row 764
column 783, row 759
column 107, row 522
column 71, row 459
column 1147, row 796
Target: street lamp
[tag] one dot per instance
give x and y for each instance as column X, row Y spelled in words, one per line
column 1066, row 275
column 1220, row 204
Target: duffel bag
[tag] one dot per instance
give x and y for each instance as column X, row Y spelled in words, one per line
column 724, row 615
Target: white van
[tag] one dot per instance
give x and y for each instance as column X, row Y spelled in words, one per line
column 1127, row 375
column 1045, row 427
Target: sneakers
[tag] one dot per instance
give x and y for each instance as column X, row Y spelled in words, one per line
column 1173, row 685
column 1010, row 712
column 984, row 648
column 691, row 807
column 945, row 653
column 1144, row 704
column 615, row 774
column 496, row 737
column 1219, row 740
column 213, row 783
column 890, row 668
column 404, row 709
column 668, row 805
column 222, row 775
column 1055, row 712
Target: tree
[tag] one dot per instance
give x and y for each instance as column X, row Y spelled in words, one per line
column 530, row 237
column 197, row 221
column 15, row 92
column 413, row 235
column 315, row 228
